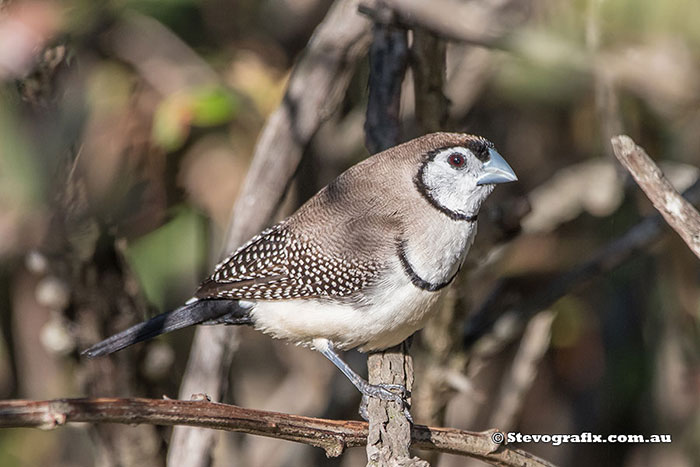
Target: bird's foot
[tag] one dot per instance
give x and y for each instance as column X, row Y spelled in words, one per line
column 387, row 392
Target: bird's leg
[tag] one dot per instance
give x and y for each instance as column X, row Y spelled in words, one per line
column 387, row 392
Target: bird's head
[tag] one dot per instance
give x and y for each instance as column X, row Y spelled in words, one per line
column 459, row 172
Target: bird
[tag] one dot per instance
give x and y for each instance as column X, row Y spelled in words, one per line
column 360, row 265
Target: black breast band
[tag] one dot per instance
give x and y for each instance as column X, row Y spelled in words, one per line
column 415, row 278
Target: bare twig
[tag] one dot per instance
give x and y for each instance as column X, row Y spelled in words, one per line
column 331, row 435
column 519, row 378
column 315, row 89
column 679, row 213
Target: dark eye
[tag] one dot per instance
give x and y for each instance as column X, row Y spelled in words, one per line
column 456, row 160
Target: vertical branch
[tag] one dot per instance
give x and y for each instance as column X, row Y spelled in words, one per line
column 428, row 64
column 389, row 436
column 316, row 88
column 388, row 57
column 428, row 54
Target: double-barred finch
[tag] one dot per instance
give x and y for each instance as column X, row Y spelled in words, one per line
column 361, row 264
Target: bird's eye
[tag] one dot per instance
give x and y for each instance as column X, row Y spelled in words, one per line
column 456, row 160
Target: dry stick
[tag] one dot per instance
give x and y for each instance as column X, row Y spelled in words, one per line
column 331, row 435
column 679, row 213
column 521, row 375
column 316, row 88
column 162, row 59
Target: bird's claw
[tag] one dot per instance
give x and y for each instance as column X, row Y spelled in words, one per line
column 387, row 392
column 398, row 389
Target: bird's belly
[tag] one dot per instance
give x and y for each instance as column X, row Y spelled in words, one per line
column 388, row 320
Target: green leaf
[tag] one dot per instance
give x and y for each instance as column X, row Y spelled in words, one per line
column 202, row 107
column 213, row 106
column 166, row 261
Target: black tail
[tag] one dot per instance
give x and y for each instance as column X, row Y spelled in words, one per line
column 199, row 312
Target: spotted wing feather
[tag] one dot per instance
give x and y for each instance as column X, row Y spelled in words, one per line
column 278, row 265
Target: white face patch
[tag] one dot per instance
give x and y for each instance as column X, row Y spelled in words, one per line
column 452, row 186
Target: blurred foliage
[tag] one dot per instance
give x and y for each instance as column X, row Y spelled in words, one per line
column 159, row 271
column 199, row 107
column 21, row 183
column 647, row 20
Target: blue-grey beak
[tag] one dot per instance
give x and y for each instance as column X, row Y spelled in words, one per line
column 496, row 170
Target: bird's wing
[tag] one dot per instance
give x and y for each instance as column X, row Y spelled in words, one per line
column 278, row 265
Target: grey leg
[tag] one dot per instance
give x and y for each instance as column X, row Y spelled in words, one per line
column 380, row 391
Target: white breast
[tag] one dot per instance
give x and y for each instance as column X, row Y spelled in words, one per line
column 436, row 248
column 397, row 309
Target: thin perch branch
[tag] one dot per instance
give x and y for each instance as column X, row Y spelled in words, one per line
column 678, row 212
column 331, row 435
